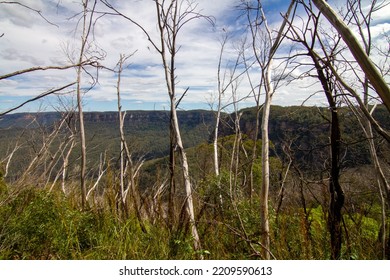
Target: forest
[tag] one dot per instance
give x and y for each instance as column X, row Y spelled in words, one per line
column 307, row 182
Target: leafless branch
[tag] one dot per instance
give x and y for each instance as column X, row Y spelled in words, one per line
column 44, row 68
column 182, row 96
column 29, row 8
column 52, row 91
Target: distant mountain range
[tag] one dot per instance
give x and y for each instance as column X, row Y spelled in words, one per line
column 305, row 130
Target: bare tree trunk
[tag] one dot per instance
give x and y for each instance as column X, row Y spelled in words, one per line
column 264, row 218
column 336, row 192
column 168, row 36
column 328, row 83
column 131, row 167
column 362, row 18
column 85, row 33
column 83, row 143
column 172, row 181
column 121, row 117
column 370, row 70
column 266, row 66
column 171, row 17
column 254, row 151
column 65, row 165
column 187, row 184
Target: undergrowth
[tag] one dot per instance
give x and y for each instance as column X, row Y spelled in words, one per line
column 37, row 224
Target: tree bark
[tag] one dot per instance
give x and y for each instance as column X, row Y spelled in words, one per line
column 371, row 71
column 172, row 182
column 269, row 91
column 336, row 192
column 128, row 159
column 169, row 25
column 264, row 218
column 83, row 150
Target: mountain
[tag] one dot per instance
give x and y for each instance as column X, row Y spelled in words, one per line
column 147, row 132
column 303, row 130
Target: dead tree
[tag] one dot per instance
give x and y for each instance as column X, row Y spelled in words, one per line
column 126, row 161
column 86, row 29
column 172, row 16
column 362, row 18
column 368, row 67
column 264, row 46
column 309, row 37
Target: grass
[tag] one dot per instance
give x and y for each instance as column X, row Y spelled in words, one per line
column 38, row 224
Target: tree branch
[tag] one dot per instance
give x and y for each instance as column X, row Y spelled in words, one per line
column 372, row 73
column 37, row 97
column 43, row 68
column 29, row 8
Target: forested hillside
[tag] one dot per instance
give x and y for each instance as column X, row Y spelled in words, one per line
column 305, row 129
column 300, row 141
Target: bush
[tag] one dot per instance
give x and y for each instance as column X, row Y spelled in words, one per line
column 41, row 225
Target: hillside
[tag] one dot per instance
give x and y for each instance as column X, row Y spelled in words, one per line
column 147, row 132
column 304, row 129
column 38, row 191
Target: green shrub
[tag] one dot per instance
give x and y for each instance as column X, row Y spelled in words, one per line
column 41, row 225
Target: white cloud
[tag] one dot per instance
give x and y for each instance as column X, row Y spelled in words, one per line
column 30, row 41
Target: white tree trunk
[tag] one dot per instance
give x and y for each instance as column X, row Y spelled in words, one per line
column 371, row 71
column 269, row 91
column 84, row 38
column 264, row 219
column 187, row 183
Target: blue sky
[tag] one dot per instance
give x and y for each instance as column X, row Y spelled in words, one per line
column 30, row 41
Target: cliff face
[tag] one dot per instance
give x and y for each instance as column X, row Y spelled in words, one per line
column 306, row 133
column 304, row 129
column 187, row 118
column 22, row 120
column 146, row 131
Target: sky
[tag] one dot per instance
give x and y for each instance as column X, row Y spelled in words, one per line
column 52, row 38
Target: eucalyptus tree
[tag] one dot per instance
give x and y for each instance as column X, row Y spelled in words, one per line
column 359, row 95
column 264, row 46
column 352, row 81
column 171, row 17
column 337, row 76
column 84, row 61
column 371, row 71
column 362, row 18
column 87, row 21
column 127, row 164
column 322, row 50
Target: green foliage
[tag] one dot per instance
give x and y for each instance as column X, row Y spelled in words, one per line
column 37, row 224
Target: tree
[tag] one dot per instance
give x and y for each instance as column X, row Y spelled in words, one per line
column 126, row 161
column 333, row 71
column 371, row 71
column 87, row 23
column 264, row 49
column 228, row 79
column 84, row 60
column 172, row 16
column 361, row 18
column 324, row 49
